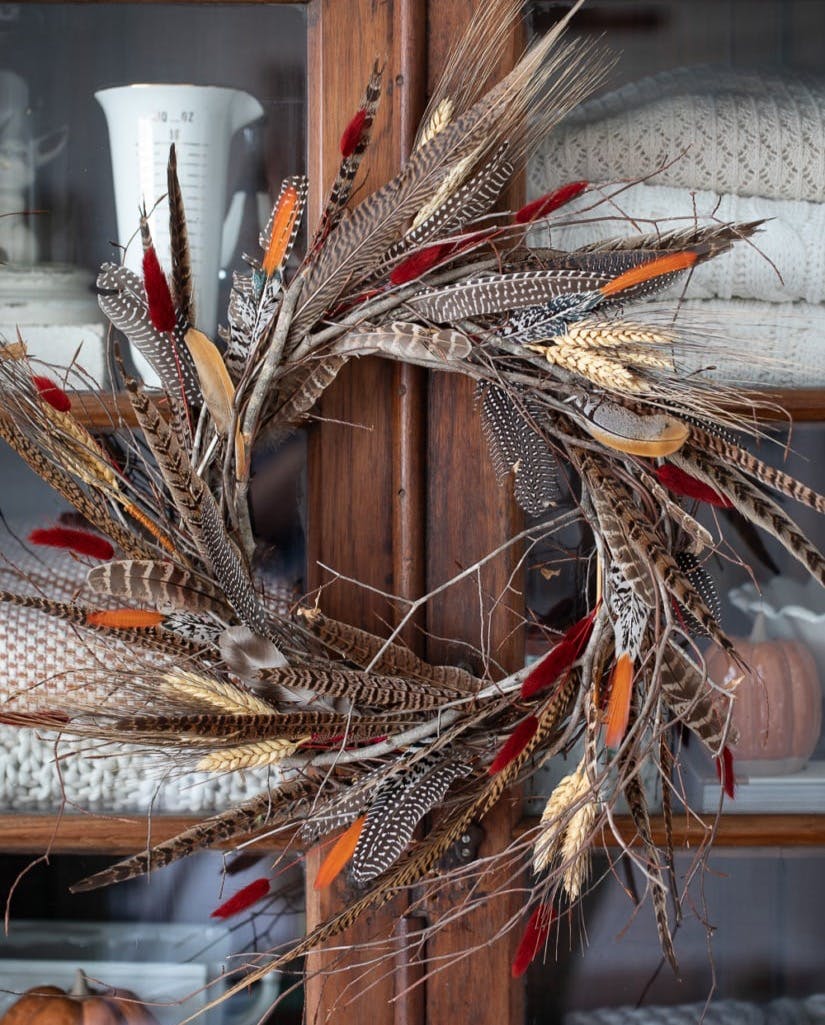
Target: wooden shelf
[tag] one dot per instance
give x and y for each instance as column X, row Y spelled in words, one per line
column 730, row 831
column 95, row 834
column 128, row 834
column 102, row 411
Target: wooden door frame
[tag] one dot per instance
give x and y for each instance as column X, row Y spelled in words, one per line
column 388, row 506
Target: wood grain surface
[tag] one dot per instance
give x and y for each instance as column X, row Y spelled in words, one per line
column 365, row 493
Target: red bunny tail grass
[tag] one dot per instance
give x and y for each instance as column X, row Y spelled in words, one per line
column 514, row 744
column 333, row 863
column 669, row 264
column 243, row 899
column 125, row 619
column 559, row 658
column 546, row 204
column 417, row 264
column 49, row 392
column 618, row 704
column 351, row 136
column 680, row 483
column 534, row 938
column 159, row 297
column 81, row 541
column 724, row 770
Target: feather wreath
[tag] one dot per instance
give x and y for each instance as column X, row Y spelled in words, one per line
column 365, row 739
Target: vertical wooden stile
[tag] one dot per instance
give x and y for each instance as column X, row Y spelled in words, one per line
column 365, row 481
column 469, row 515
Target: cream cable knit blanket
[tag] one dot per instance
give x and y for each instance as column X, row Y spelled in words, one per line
column 36, row 656
column 791, row 242
column 783, row 343
column 745, row 133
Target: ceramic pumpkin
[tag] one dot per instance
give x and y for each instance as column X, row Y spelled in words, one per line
column 49, row 1005
column 778, row 706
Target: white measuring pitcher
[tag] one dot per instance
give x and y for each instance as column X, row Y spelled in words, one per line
column 143, row 121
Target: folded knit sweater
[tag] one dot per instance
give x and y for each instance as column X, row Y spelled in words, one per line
column 706, row 128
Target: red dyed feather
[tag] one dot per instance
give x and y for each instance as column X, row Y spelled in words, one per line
column 161, row 307
column 352, row 133
column 534, row 938
column 724, row 770
column 514, row 744
column 417, row 264
column 559, row 658
column 80, row 541
column 680, row 483
column 243, row 899
column 546, row 204
column 49, row 392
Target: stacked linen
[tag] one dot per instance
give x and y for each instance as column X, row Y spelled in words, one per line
column 706, row 146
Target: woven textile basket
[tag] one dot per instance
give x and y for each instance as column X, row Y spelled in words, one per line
column 40, row 661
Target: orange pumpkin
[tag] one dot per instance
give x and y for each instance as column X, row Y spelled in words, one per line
column 49, row 1005
column 778, row 705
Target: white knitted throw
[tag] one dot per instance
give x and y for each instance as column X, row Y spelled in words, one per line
column 745, row 133
column 756, row 343
column 783, row 262
column 39, row 659
column 783, row 1011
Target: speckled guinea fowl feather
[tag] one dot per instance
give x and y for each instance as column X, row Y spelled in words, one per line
column 160, row 584
column 703, row 585
column 398, row 807
column 333, row 813
column 122, row 298
column 517, row 448
column 179, row 246
column 493, row 293
column 367, row 649
column 753, row 504
column 269, row 809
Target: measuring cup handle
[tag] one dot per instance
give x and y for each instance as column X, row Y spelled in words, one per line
column 232, row 227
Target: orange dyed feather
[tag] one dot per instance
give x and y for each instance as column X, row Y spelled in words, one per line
column 125, row 619
column 340, row 854
column 282, row 224
column 618, row 705
column 647, row 271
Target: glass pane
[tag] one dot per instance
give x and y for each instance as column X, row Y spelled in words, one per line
column 711, row 107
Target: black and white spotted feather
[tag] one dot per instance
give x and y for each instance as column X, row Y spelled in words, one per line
column 122, row 299
column 399, row 806
column 518, row 450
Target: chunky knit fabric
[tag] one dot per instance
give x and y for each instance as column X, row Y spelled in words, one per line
column 42, row 662
column 704, row 128
column 784, row 262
